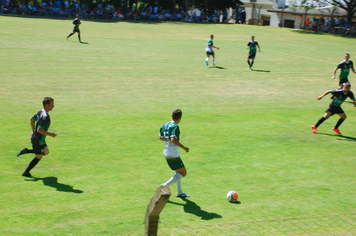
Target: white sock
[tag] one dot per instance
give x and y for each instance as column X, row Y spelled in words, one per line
column 214, row 60
column 207, row 59
column 179, row 186
column 174, row 179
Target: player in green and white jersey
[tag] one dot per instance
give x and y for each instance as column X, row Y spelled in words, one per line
column 252, row 46
column 76, row 23
column 340, row 95
column 40, row 123
column 169, row 133
column 210, row 50
column 345, row 67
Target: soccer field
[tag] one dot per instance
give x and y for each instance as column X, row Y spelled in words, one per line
column 247, row 131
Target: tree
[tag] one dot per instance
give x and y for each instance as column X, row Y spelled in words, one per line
column 348, row 5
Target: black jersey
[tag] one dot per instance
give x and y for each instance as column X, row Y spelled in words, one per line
column 76, row 22
column 340, row 97
column 43, row 121
column 345, row 68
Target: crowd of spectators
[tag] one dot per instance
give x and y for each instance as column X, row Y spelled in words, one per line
column 68, row 8
column 331, row 25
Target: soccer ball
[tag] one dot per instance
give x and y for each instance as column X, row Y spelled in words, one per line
column 232, row 196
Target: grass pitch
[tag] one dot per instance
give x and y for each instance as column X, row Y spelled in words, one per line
column 247, row 131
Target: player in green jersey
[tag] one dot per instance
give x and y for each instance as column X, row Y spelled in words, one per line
column 40, row 123
column 345, row 67
column 252, row 46
column 76, row 23
column 210, row 50
column 340, row 96
column 169, row 133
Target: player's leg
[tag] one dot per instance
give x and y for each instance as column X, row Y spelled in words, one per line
column 207, row 59
column 252, row 61
column 339, row 122
column 213, row 59
column 79, row 36
column 321, row 120
column 25, row 150
column 40, row 151
column 70, row 34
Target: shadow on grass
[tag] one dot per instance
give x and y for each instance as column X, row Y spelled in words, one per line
column 340, row 137
column 192, row 208
column 84, row 42
column 301, row 31
column 266, row 71
column 53, row 182
column 217, row 67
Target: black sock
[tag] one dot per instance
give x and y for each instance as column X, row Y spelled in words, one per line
column 69, row 35
column 249, row 63
column 32, row 164
column 30, row 151
column 339, row 122
column 319, row 122
column 252, row 63
column 79, row 38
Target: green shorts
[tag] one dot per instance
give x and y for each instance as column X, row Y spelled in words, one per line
column 174, row 163
column 210, row 53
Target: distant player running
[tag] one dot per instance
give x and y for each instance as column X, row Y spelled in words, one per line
column 345, row 67
column 252, row 51
column 210, row 50
column 76, row 23
column 340, row 96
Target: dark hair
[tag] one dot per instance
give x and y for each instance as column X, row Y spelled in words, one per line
column 176, row 114
column 47, row 100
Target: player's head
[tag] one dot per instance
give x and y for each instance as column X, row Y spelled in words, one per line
column 346, row 87
column 77, row 15
column 252, row 38
column 211, row 36
column 48, row 103
column 177, row 115
column 347, row 56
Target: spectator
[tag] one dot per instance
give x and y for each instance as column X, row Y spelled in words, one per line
column 308, row 23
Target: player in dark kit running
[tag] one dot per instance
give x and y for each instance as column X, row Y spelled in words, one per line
column 252, row 46
column 340, row 96
column 345, row 67
column 40, row 123
column 76, row 23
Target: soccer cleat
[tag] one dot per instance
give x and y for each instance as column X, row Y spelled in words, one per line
column 214, row 64
column 249, row 68
column 23, row 151
column 313, row 129
column 27, row 174
column 207, row 63
column 183, row 195
column 336, row 131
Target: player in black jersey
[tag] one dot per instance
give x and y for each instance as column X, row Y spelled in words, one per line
column 40, row 123
column 345, row 66
column 76, row 23
column 252, row 46
column 340, row 95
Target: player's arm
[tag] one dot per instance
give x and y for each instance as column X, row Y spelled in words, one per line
column 334, row 73
column 324, row 94
column 176, row 142
column 44, row 132
column 32, row 123
column 216, row 47
column 259, row 49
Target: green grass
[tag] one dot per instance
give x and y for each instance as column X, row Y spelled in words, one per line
column 247, row 131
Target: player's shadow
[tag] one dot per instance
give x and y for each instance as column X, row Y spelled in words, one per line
column 217, row 67
column 266, row 71
column 192, row 208
column 340, row 137
column 53, row 182
column 84, row 42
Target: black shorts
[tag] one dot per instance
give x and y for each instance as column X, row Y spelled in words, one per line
column 341, row 81
column 76, row 29
column 175, row 163
column 251, row 56
column 334, row 110
column 38, row 149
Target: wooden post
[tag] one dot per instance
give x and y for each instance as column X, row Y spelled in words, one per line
column 154, row 208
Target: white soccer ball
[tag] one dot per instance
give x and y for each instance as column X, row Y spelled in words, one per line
column 232, row 196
